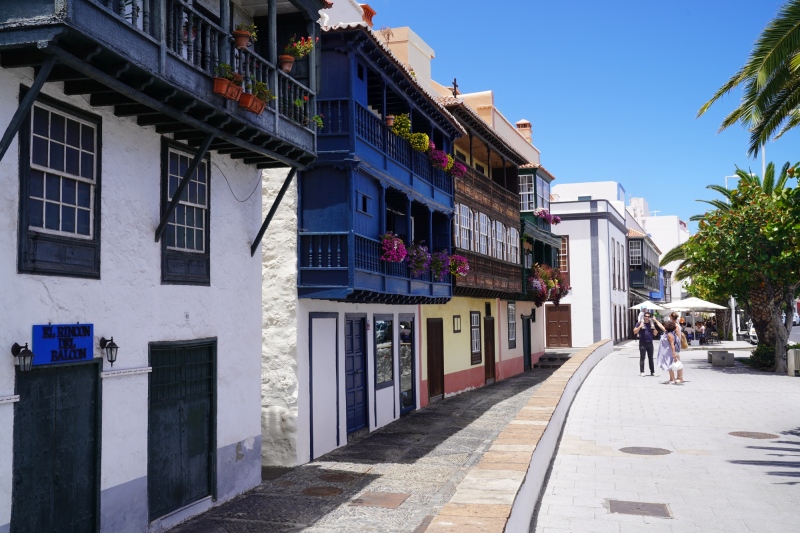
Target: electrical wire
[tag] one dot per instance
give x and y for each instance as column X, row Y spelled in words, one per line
column 231, row 188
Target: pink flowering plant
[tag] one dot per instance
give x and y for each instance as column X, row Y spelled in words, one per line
column 439, row 159
column 418, row 259
column 545, row 215
column 458, row 170
column 393, row 248
column 440, row 265
column 459, row 266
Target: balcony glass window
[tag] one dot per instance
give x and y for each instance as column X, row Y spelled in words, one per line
column 635, row 250
column 466, row 227
column 484, row 235
column 527, row 193
column 513, row 245
column 542, row 193
column 500, row 236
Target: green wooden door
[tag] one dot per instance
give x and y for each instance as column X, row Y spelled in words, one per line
column 56, row 442
column 181, row 429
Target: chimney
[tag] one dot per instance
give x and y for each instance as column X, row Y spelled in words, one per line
column 524, row 129
column 368, row 14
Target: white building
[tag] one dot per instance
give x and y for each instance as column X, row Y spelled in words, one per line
column 596, row 242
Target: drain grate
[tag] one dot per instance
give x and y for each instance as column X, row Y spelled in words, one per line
column 753, row 435
column 659, row 510
column 643, row 450
column 322, row 491
column 337, row 478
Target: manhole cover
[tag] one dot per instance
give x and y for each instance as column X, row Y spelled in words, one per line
column 337, row 478
column 643, row 450
column 753, row 435
column 660, row 510
column 322, row 491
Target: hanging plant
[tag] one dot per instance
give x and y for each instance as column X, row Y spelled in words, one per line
column 393, row 248
column 440, row 265
column 439, row 159
column 459, row 266
column 418, row 259
column 458, row 170
column 537, row 290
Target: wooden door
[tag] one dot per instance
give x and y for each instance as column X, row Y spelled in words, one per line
column 435, row 343
column 559, row 326
column 526, row 342
column 488, row 344
column 355, row 361
column 55, row 479
column 181, row 425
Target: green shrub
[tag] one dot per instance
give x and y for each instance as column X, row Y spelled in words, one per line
column 420, row 141
column 402, row 126
column 763, row 356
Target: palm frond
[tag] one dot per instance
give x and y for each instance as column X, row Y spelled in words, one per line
column 676, row 254
column 697, row 218
column 718, row 204
column 769, row 178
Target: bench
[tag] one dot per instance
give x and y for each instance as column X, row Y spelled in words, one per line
column 720, row 358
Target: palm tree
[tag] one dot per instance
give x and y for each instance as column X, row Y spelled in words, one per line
column 771, row 80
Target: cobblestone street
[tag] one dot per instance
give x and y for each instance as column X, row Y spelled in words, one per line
column 394, row 479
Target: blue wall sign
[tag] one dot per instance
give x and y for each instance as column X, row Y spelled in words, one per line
column 62, row 343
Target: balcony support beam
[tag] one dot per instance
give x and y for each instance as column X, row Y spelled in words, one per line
column 272, row 211
column 25, row 105
column 187, row 176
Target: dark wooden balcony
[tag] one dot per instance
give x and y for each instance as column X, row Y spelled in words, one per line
column 154, row 60
column 488, row 277
column 348, row 267
column 640, row 280
column 480, row 193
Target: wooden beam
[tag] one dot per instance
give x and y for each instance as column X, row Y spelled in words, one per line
column 272, row 210
column 109, row 99
column 172, row 127
column 62, row 73
column 133, row 110
column 201, row 153
column 154, row 118
column 75, row 87
column 25, row 105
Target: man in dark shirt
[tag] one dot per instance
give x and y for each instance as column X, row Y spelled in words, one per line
column 646, row 330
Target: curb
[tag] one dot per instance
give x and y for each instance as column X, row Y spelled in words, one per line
column 500, row 493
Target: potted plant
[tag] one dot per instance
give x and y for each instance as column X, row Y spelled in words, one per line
column 440, row 265
column 459, row 266
column 458, row 170
column 227, row 82
column 255, row 100
column 295, row 50
column 402, row 126
column 244, row 34
column 389, row 120
column 418, row 259
column 394, row 251
column 440, row 159
column 419, row 141
column 317, row 119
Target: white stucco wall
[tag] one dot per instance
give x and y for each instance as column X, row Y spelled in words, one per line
column 129, row 302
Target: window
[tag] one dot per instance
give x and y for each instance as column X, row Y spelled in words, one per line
column 513, row 246
column 484, row 236
column 185, row 255
column 613, row 264
column 528, row 259
column 527, row 193
column 619, row 265
column 363, row 203
column 475, row 337
column 480, row 168
column 500, row 236
column 457, row 226
column 466, row 227
column 461, row 156
column 384, row 351
column 456, row 323
column 563, row 258
column 542, row 193
column 512, row 325
column 635, row 251
column 59, row 224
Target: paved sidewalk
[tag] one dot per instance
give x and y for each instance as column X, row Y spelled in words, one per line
column 394, row 479
column 711, row 481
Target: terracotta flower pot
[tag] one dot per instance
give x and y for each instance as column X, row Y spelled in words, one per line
column 286, row 62
column 242, row 39
column 227, row 89
column 252, row 104
column 390, row 120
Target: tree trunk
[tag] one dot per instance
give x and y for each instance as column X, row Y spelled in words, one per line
column 761, row 304
column 723, row 320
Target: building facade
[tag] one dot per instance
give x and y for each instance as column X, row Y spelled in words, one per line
column 347, row 360
column 126, row 221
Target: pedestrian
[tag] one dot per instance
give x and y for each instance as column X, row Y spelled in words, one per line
column 646, row 330
column 669, row 352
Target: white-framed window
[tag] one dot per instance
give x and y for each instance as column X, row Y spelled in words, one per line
column 63, row 168
column 527, row 193
column 542, row 193
column 563, row 257
column 484, row 235
column 466, row 227
column 613, row 264
column 475, row 231
column 475, row 336
column 513, row 245
column 635, row 250
column 186, row 229
column 457, row 225
column 500, row 237
column 512, row 325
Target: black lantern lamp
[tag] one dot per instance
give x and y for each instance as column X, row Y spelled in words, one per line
column 24, row 356
column 111, row 349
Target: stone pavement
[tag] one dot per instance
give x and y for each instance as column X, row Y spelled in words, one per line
column 710, row 480
column 395, row 479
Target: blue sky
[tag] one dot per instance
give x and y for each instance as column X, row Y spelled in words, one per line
column 611, row 88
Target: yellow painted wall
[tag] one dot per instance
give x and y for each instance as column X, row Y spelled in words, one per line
column 457, row 345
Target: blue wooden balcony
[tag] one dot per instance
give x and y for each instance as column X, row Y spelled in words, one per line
column 348, row 267
column 372, row 142
column 155, row 59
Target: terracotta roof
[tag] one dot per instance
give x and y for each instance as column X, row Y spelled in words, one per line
column 541, row 168
column 636, row 234
column 344, row 26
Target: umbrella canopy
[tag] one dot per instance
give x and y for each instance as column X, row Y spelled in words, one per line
column 693, row 304
column 647, row 305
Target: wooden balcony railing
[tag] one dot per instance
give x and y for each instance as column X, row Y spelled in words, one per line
column 487, row 274
column 323, row 250
column 480, row 192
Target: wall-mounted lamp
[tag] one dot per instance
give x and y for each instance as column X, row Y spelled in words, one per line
column 24, row 356
column 111, row 349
